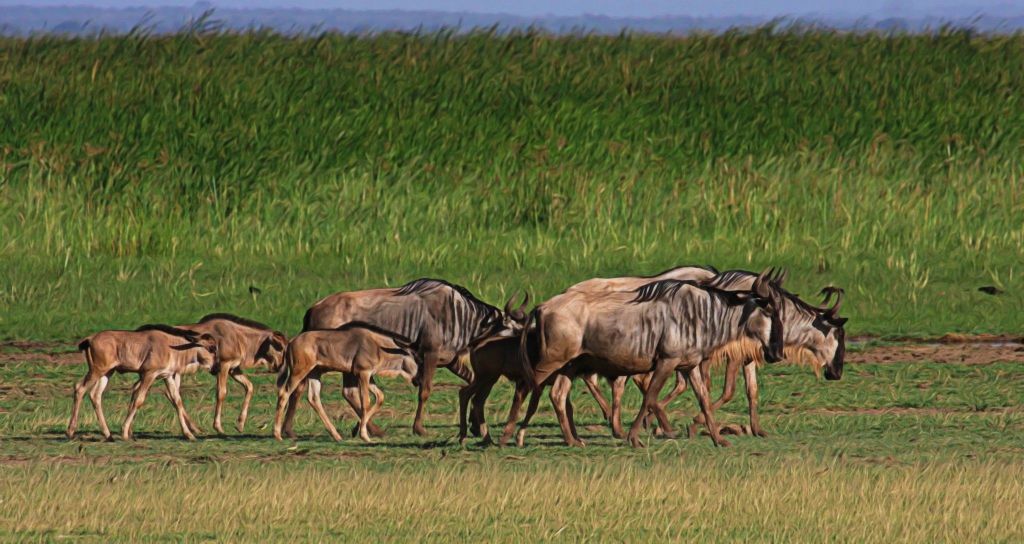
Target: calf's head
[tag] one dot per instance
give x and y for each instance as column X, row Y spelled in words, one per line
column 271, row 351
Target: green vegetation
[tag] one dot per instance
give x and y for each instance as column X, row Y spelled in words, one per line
column 157, row 178
column 909, row 452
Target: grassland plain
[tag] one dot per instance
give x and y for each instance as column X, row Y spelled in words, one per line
column 152, row 179
column 909, row 452
column 157, row 178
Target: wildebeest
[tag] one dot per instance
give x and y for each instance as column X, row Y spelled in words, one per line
column 443, row 319
column 154, row 352
column 662, row 327
column 357, row 349
column 812, row 334
column 241, row 344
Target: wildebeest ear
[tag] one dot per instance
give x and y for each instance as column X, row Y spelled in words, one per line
column 839, row 321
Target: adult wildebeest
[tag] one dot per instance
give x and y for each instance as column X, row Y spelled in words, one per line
column 443, row 319
column 241, row 344
column 812, row 334
column 152, row 351
column 662, row 327
column 356, row 349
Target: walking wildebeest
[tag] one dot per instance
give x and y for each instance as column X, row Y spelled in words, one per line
column 662, row 327
column 152, row 351
column 357, row 349
column 443, row 319
column 241, row 344
column 813, row 334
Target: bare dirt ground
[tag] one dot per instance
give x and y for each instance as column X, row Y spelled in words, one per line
column 951, row 348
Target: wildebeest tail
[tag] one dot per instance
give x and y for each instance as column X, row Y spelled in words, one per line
column 307, row 319
column 524, row 353
column 84, row 344
column 286, row 364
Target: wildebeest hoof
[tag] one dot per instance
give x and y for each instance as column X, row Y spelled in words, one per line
column 240, row 427
column 635, row 442
column 618, row 434
column 723, row 443
column 734, row 429
column 462, row 440
column 109, row 438
column 475, row 429
column 419, row 430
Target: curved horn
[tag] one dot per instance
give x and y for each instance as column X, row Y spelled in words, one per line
column 833, row 312
column 782, row 277
column 760, row 288
column 526, row 301
column 508, row 305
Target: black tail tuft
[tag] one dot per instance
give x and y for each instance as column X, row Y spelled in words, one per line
column 307, row 319
column 83, row 345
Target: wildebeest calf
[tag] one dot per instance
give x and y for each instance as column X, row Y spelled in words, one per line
column 152, row 351
column 357, row 349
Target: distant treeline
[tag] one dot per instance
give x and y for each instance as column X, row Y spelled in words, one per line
column 87, row 20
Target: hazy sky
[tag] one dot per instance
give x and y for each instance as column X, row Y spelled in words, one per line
column 617, row 8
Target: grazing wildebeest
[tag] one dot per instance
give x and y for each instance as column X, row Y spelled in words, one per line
column 241, row 344
column 152, row 351
column 357, row 349
column 662, row 327
column 443, row 319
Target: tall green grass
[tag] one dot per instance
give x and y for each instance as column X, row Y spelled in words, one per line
column 156, row 178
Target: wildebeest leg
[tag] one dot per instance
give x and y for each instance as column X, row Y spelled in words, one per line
column 293, row 404
column 221, row 394
column 530, row 410
column 663, row 403
column 350, row 392
column 750, row 376
column 590, row 379
column 96, row 397
column 662, row 370
column 704, row 399
column 522, row 387
column 368, row 409
column 87, row 382
column 732, row 370
column 236, row 373
column 426, row 384
column 138, row 397
column 559, row 397
column 466, row 392
column 618, row 389
column 288, row 396
column 477, row 411
column 314, row 400
column 173, row 384
column 464, row 371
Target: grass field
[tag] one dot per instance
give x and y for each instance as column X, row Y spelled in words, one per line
column 910, row 452
column 156, row 179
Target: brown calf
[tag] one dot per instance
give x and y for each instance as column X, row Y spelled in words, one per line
column 153, row 352
column 357, row 349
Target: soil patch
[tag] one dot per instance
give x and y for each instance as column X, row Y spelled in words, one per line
column 973, row 353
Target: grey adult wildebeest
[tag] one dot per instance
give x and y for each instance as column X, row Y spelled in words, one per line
column 812, row 334
column 241, row 344
column 442, row 319
column 151, row 351
column 356, row 349
column 662, row 327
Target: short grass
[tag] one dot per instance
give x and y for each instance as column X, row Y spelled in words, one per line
column 909, row 452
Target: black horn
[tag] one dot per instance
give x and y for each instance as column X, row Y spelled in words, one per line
column 760, row 288
column 508, row 305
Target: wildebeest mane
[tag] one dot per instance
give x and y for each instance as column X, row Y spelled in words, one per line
column 727, row 279
column 167, row 329
column 658, row 290
column 399, row 339
column 236, row 319
column 424, row 285
column 709, row 268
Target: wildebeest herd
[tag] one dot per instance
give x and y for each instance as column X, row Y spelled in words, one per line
column 679, row 322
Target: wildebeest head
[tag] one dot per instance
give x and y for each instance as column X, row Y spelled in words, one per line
column 764, row 318
column 508, row 322
column 204, row 350
column 831, row 326
column 271, row 351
